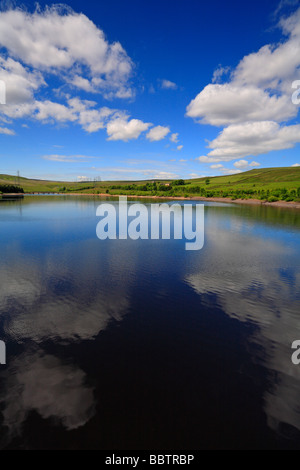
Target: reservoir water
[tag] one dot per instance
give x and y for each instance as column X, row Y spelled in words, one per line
column 140, row 344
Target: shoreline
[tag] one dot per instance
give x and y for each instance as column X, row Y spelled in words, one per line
column 226, row 200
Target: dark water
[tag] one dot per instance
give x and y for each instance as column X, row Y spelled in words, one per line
column 123, row 344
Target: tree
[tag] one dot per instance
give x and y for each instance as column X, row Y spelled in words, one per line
column 178, row 183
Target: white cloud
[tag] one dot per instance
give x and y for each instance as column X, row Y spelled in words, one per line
column 75, row 110
column 219, row 72
column 205, row 159
column 255, row 138
column 6, row 131
column 180, row 147
column 241, row 164
column 244, row 164
column 44, row 43
column 136, row 173
column 161, row 175
column 242, row 140
column 295, row 165
column 84, row 113
column 273, row 65
column 255, row 105
column 122, row 129
column 57, row 42
column 221, row 105
column 46, row 110
column 82, row 179
column 168, row 85
column 20, row 83
column 52, row 41
column 91, row 119
column 217, row 166
column 157, row 133
column 226, row 171
column 174, row 138
column 67, row 158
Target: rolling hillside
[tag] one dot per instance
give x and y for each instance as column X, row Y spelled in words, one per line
column 268, row 184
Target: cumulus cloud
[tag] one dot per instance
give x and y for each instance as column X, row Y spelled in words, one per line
column 244, row 164
column 48, row 43
column 20, row 82
column 225, row 171
column 75, row 110
column 295, row 165
column 219, row 73
column 217, row 166
column 273, row 66
column 254, row 138
column 58, row 43
column 161, row 175
column 157, row 133
column 179, row 147
column 123, row 129
column 67, row 158
column 255, row 104
column 52, row 41
column 174, row 138
column 204, row 159
column 6, row 131
column 244, row 140
column 168, row 85
column 220, row 105
column 83, row 179
column 113, row 173
column 89, row 118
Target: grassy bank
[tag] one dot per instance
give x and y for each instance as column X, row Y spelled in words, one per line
column 271, row 184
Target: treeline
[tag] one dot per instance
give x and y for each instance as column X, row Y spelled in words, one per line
column 150, row 186
column 180, row 188
column 75, row 189
column 271, row 195
column 9, row 189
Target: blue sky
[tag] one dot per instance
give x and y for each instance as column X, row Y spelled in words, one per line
column 144, row 90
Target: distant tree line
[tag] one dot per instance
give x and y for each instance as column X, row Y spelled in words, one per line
column 9, row 188
column 182, row 188
column 272, row 195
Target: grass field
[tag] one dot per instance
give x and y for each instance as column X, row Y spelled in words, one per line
column 266, row 184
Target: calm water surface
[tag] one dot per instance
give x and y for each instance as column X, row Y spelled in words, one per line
column 123, row 344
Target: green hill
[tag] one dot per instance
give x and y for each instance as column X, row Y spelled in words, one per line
column 267, row 184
